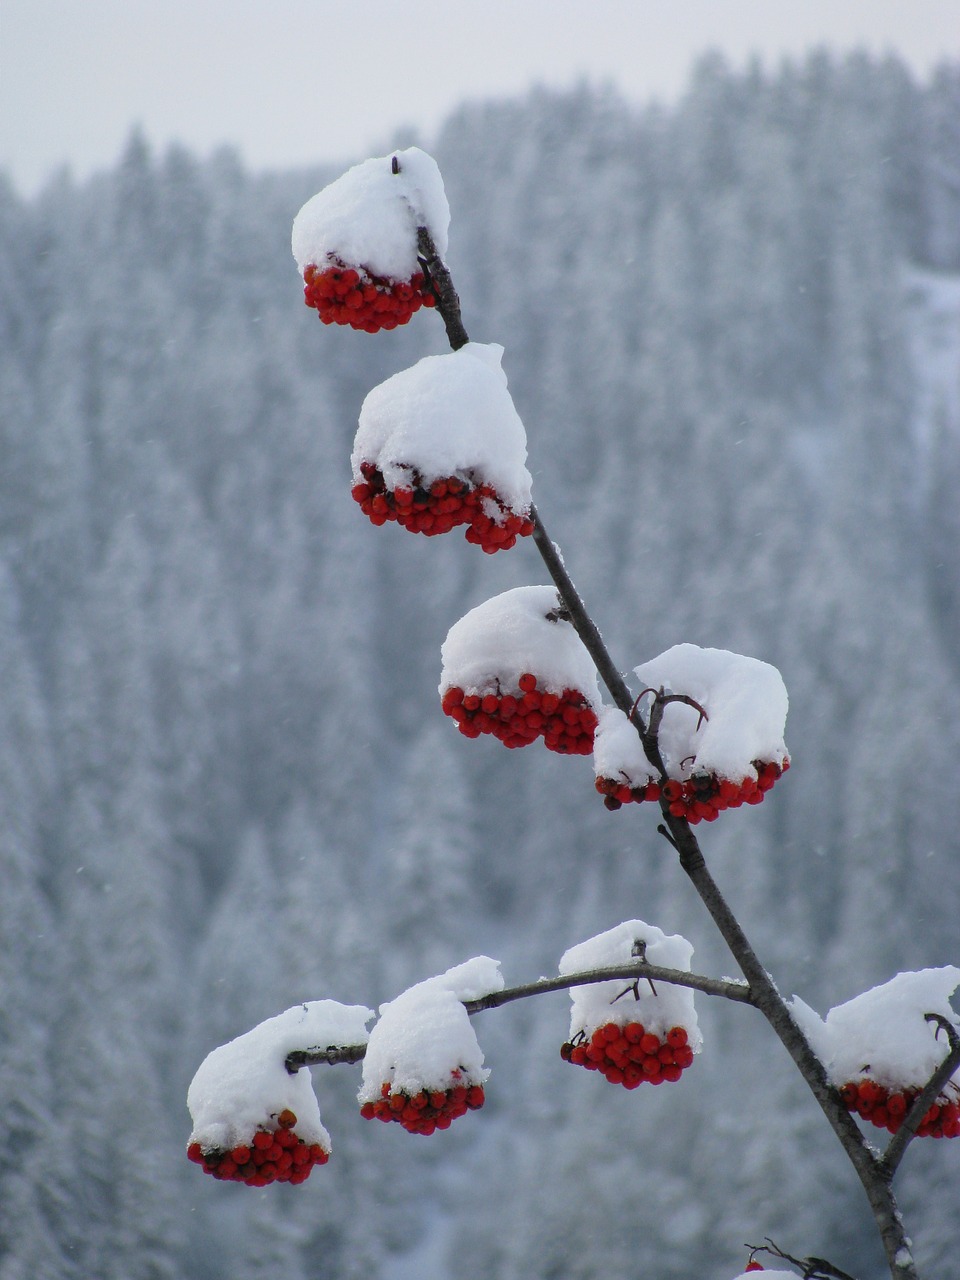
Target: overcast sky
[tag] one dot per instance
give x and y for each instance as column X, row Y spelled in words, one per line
column 297, row 81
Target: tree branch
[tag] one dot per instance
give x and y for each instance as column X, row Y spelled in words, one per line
column 447, row 298
column 723, row 987
column 924, row 1100
column 764, row 993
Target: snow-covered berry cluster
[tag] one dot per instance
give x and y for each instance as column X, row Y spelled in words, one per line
column 437, row 506
column 887, row 1108
column 630, row 1055
column 514, row 667
column 255, row 1122
column 631, row 1032
column 356, row 241
column 441, row 444
column 880, row 1049
column 718, row 720
column 423, row 1067
column 566, row 721
column 270, row 1155
column 426, row 1110
column 349, row 295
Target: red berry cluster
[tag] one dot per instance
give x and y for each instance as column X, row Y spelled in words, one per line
column 753, row 1265
column 440, row 506
column 631, row 1055
column 702, row 797
column 565, row 721
column 886, row 1110
column 426, row 1111
column 344, row 295
column 276, row 1155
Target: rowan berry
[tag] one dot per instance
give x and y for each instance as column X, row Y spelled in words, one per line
column 346, row 295
column 270, row 1155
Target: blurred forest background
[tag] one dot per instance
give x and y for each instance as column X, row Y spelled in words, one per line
column 732, row 329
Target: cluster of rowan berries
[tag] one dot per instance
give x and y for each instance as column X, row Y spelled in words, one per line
column 630, row 1055
column 566, row 721
column 276, row 1155
column 344, row 295
column 440, row 506
column 426, row 1111
column 885, row 1109
column 701, row 797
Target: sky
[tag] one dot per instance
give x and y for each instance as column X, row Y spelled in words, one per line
column 298, row 82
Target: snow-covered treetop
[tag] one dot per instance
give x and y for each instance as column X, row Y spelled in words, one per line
column 424, row 1037
column 369, row 217
column 745, row 701
column 242, row 1086
column 882, row 1033
column 448, row 415
column 515, row 632
column 659, row 1008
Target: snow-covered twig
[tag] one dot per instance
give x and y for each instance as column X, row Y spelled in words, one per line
column 924, row 1100
column 723, row 987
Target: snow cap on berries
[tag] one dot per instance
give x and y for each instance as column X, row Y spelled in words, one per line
column 518, row 631
column 369, row 217
column 242, row 1086
column 424, row 1035
column 618, row 752
column 448, row 415
column 601, row 1002
column 883, row 1033
column 745, row 702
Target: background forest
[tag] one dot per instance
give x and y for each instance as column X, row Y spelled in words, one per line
column 226, row 785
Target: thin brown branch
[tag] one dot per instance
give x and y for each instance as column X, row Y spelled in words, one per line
column 441, row 283
column 723, row 987
column 772, row 1005
column 763, row 990
column 924, row 1100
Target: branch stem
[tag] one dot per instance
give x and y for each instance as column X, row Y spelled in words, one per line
column 722, row 987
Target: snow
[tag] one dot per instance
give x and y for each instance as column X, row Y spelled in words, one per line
column 767, row 1274
column 242, row 1086
column 617, row 750
column 448, row 415
column 510, row 634
column 882, row 1033
column 424, row 1035
column 598, row 1003
column 745, row 701
column 369, row 216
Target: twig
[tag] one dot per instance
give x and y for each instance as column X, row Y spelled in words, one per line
column 723, row 987
column 924, row 1100
column 811, row 1268
column 447, row 298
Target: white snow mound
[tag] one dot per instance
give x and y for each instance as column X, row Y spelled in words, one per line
column 243, row 1086
column 448, row 415
column 424, row 1036
column 369, row 216
column 510, row 634
column 618, row 752
column 882, row 1033
column 602, row 1002
column 745, row 701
